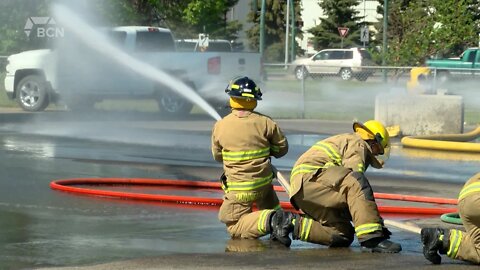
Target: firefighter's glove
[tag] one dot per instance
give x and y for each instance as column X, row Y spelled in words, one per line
column 223, row 181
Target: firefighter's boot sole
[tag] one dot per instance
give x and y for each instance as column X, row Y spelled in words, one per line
column 431, row 244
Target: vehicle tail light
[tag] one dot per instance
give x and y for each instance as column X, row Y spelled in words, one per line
column 152, row 29
column 214, row 65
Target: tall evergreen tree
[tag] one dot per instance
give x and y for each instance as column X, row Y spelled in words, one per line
column 275, row 17
column 339, row 13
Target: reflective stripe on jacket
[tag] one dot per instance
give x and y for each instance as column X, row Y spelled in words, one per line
column 471, row 186
column 244, row 142
column 348, row 150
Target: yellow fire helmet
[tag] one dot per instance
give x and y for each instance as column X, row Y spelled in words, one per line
column 374, row 130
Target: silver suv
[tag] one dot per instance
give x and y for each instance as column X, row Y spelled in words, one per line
column 346, row 63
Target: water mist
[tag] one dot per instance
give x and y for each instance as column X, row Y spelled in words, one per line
column 98, row 42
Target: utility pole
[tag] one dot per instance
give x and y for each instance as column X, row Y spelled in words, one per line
column 364, row 16
column 287, row 26
column 292, row 8
column 385, row 29
column 262, row 28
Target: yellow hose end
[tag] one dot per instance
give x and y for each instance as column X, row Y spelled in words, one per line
column 393, row 131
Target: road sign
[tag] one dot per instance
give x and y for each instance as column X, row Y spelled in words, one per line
column 364, row 36
column 343, row 31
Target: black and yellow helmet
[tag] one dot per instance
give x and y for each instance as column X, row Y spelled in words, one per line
column 243, row 87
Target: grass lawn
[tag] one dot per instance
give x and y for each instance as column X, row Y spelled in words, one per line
column 328, row 99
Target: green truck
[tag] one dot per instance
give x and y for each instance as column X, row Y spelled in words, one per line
column 466, row 65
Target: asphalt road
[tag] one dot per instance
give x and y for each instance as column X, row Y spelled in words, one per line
column 47, row 229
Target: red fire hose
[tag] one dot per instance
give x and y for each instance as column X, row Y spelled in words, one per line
column 71, row 185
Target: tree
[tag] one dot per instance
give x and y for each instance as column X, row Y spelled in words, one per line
column 210, row 16
column 339, row 13
column 418, row 29
column 275, row 17
column 186, row 18
column 13, row 17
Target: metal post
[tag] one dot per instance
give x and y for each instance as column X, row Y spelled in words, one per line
column 364, row 16
column 385, row 29
column 292, row 54
column 303, row 93
column 262, row 29
column 287, row 22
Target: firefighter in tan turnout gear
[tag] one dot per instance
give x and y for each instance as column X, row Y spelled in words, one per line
column 244, row 141
column 458, row 244
column 328, row 184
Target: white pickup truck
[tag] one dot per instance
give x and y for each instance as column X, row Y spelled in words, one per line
column 79, row 77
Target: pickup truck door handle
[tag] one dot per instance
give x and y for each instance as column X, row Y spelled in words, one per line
column 241, row 61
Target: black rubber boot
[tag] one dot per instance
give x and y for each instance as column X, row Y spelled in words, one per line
column 433, row 242
column 381, row 245
column 281, row 224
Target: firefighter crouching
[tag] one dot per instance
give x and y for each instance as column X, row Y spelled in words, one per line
column 328, row 184
column 458, row 244
column 244, row 141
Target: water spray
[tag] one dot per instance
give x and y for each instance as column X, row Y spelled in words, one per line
column 99, row 42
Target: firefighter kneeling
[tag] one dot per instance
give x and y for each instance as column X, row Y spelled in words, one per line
column 458, row 244
column 328, row 184
column 244, row 141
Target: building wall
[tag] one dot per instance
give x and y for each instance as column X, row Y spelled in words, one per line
column 240, row 12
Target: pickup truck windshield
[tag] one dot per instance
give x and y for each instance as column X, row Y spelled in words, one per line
column 154, row 42
column 219, row 47
column 213, row 46
column 471, row 56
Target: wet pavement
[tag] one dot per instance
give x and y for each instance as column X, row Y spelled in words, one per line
column 46, row 228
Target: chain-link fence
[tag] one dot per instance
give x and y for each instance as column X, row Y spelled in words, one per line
column 344, row 73
column 347, row 93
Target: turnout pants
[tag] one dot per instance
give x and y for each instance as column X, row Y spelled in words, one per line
column 331, row 201
column 237, row 212
column 469, row 247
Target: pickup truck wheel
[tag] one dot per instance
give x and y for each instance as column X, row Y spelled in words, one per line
column 346, row 74
column 301, row 73
column 32, row 93
column 173, row 104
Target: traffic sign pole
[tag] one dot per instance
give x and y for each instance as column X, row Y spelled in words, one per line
column 364, row 35
column 343, row 31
